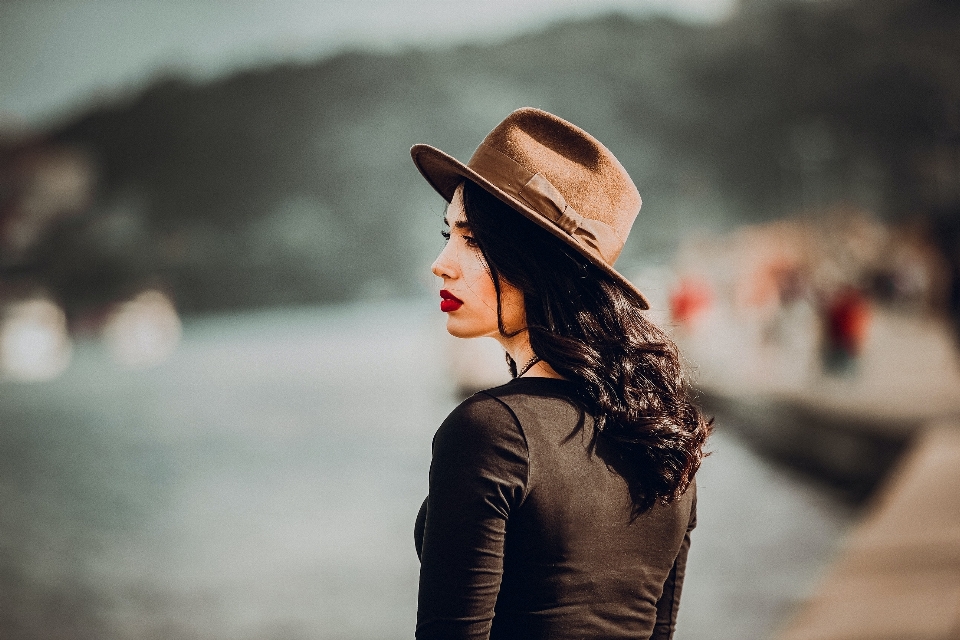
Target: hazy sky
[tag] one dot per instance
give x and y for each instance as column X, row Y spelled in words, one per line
column 58, row 55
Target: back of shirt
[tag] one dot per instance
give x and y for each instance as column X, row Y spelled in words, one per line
column 528, row 529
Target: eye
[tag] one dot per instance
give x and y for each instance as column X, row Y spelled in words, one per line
column 470, row 241
column 445, row 234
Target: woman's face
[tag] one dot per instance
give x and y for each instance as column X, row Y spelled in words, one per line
column 468, row 296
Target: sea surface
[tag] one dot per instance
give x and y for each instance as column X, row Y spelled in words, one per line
column 262, row 483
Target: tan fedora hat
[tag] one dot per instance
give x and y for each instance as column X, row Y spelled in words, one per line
column 555, row 174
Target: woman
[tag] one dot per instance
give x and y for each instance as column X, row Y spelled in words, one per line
column 560, row 503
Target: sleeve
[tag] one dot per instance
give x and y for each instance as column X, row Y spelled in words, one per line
column 477, row 476
column 669, row 601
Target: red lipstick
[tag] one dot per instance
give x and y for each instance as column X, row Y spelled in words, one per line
column 449, row 302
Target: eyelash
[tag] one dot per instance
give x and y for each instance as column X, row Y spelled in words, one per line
column 471, row 242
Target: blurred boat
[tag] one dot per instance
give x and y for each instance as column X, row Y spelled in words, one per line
column 34, row 343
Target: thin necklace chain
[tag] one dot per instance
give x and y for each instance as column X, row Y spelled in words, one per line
column 534, row 360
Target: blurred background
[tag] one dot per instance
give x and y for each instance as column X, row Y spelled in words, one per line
column 221, row 361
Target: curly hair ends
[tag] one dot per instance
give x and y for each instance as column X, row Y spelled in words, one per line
column 592, row 331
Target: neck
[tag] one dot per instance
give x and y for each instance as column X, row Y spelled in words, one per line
column 519, row 349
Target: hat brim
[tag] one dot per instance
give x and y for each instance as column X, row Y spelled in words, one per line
column 444, row 172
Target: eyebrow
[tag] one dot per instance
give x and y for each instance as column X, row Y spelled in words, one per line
column 460, row 224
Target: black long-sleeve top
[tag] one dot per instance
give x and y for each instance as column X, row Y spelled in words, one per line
column 527, row 530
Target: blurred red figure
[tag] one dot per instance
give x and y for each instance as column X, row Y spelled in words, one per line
column 848, row 321
column 689, row 301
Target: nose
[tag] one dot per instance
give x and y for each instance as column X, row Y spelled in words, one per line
column 445, row 266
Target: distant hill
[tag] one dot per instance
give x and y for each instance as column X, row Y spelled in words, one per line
column 293, row 184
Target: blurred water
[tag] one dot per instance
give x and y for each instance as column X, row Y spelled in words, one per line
column 263, row 483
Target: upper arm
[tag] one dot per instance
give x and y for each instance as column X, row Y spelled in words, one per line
column 477, row 476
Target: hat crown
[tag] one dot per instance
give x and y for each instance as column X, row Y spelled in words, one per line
column 529, row 129
column 579, row 166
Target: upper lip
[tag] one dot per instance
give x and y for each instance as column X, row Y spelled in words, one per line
column 446, row 295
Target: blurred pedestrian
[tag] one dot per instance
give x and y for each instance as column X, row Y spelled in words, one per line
column 689, row 301
column 560, row 504
column 847, row 324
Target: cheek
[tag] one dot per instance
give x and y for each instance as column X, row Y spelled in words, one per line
column 513, row 310
column 472, row 269
column 476, row 278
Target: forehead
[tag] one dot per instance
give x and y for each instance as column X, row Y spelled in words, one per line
column 455, row 212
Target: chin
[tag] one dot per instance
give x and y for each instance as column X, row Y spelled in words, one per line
column 464, row 330
column 458, row 332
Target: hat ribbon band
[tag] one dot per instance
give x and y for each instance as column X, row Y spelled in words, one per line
column 594, row 236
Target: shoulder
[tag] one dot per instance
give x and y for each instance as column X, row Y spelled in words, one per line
column 481, row 409
column 480, row 448
column 507, row 415
column 543, row 406
column 537, row 391
column 480, row 422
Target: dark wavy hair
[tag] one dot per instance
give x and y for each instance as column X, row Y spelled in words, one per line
column 592, row 331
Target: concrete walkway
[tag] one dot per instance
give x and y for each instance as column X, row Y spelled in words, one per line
column 898, row 577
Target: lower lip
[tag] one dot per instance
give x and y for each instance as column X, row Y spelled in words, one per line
column 450, row 305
